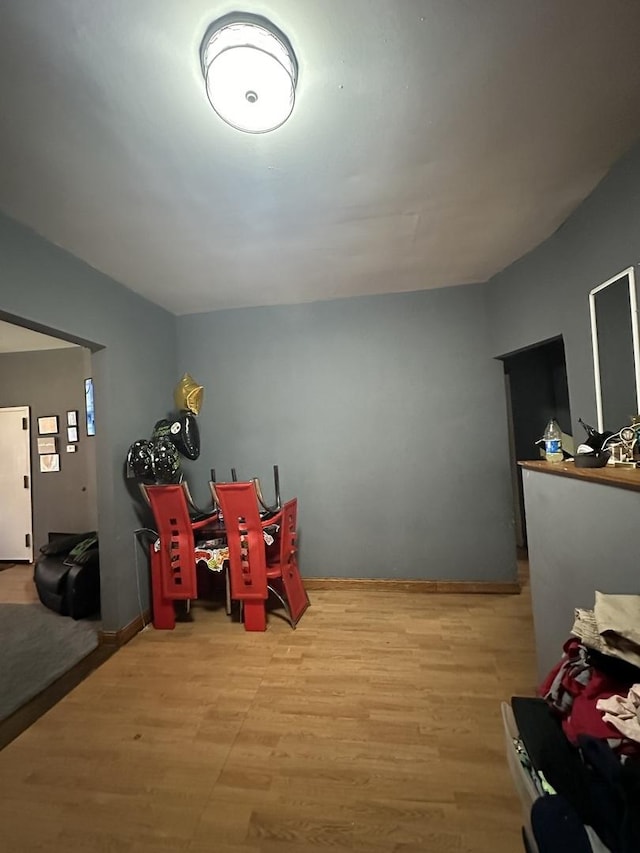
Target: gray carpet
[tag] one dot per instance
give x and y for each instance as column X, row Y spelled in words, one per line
column 37, row 646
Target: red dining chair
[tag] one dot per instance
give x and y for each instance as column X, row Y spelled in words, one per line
column 284, row 570
column 252, row 578
column 266, row 508
column 277, row 506
column 173, row 567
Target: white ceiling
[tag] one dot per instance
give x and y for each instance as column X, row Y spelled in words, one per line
column 18, row 339
column 433, row 142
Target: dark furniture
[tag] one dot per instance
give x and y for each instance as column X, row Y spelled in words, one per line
column 69, row 586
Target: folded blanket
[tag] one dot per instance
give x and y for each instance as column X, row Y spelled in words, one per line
column 619, row 615
column 621, row 611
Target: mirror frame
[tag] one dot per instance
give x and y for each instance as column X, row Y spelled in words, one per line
column 629, row 273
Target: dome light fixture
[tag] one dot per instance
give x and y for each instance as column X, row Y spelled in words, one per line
column 250, row 71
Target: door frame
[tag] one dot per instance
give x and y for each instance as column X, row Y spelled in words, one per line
column 26, row 410
column 541, row 351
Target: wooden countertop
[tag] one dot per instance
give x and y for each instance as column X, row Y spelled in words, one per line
column 623, row 478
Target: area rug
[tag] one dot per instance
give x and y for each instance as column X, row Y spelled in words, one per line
column 37, row 646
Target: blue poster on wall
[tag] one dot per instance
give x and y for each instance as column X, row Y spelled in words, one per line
column 89, row 405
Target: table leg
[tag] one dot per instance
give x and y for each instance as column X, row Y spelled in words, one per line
column 227, row 590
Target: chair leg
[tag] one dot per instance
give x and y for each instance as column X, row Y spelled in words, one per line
column 284, row 603
column 255, row 617
column 163, row 610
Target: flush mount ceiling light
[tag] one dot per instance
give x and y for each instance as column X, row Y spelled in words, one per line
column 251, row 72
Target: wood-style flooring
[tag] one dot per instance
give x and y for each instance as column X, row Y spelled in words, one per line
column 16, row 584
column 374, row 727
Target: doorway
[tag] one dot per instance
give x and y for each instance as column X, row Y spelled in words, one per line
column 46, row 376
column 537, row 390
column 47, row 446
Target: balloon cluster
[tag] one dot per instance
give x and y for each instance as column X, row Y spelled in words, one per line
column 158, row 459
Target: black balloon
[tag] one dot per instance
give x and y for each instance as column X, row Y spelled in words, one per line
column 158, row 459
column 182, row 431
column 139, row 459
column 185, row 434
column 162, row 429
column 165, row 461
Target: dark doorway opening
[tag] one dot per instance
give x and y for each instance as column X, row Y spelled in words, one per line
column 537, row 390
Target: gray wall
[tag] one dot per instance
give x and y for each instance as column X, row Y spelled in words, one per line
column 387, row 418
column 134, row 359
column 51, row 382
column 571, row 556
column 546, row 293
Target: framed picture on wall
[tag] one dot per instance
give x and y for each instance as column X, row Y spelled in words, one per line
column 49, row 462
column 72, row 418
column 72, row 433
column 90, row 407
column 48, row 425
column 47, row 445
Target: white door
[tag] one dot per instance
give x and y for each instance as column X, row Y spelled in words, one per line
column 16, row 534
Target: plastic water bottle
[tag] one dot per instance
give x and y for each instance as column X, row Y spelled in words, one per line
column 553, row 442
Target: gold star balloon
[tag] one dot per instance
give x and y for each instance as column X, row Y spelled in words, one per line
column 188, row 394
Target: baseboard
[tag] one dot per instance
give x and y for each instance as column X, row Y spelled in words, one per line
column 123, row 635
column 408, row 585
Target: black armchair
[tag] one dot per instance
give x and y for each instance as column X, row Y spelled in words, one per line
column 67, row 575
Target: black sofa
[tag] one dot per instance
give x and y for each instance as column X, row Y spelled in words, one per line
column 67, row 574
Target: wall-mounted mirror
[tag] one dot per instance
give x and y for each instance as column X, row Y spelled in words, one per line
column 616, row 350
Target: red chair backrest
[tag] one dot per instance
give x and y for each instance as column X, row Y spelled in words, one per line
column 292, row 582
column 288, row 533
column 171, row 515
column 247, row 559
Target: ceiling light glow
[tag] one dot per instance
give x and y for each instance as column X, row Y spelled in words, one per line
column 250, row 72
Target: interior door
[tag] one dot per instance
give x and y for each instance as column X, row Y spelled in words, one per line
column 16, row 522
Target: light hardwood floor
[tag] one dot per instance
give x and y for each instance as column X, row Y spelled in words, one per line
column 373, row 727
column 16, row 584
